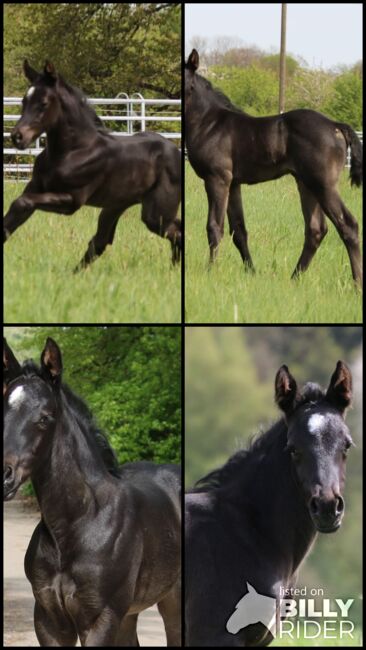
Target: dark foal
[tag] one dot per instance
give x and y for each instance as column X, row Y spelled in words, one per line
column 83, row 164
column 226, row 147
column 108, row 543
column 250, row 523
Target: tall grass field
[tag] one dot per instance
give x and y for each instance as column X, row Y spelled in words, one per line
column 132, row 282
column 325, row 293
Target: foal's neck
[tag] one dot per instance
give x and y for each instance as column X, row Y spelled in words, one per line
column 68, row 133
column 73, row 482
column 268, row 498
column 282, row 510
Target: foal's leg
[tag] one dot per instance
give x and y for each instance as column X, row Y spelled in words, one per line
column 159, row 209
column 107, row 224
column 217, row 189
column 237, row 225
column 24, row 206
column 346, row 226
column 127, row 635
column 315, row 227
column 103, row 631
column 53, row 628
column 170, row 610
column 174, row 234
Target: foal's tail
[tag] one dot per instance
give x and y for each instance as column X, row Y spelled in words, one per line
column 355, row 145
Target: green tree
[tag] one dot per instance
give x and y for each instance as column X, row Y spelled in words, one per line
column 345, row 103
column 105, row 48
column 253, row 89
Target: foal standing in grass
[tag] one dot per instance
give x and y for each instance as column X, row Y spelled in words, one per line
column 227, row 147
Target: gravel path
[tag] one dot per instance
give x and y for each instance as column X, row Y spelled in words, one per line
column 19, row 523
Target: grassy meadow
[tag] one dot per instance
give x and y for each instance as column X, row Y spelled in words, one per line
column 132, row 282
column 226, row 294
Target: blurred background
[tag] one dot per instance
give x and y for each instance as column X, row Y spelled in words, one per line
column 229, row 396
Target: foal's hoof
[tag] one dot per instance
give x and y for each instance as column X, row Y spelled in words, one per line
column 80, row 267
column 249, row 268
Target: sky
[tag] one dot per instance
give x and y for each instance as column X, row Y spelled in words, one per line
column 325, row 35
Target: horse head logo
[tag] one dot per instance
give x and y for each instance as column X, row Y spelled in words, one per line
column 253, row 608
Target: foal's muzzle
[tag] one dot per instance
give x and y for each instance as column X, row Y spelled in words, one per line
column 327, row 514
column 22, row 136
column 11, row 483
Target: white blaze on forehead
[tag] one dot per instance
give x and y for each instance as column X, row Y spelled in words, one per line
column 316, row 422
column 17, row 397
column 30, row 91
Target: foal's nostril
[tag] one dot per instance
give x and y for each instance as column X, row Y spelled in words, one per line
column 8, row 474
column 17, row 137
column 339, row 506
column 326, row 509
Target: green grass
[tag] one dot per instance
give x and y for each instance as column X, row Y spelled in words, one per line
column 226, row 294
column 133, row 281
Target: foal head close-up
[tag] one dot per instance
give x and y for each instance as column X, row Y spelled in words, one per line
column 318, row 440
column 30, row 414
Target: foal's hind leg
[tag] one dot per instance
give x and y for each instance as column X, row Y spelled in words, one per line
column 237, row 225
column 346, row 226
column 159, row 211
column 170, row 610
column 107, row 223
column 315, row 227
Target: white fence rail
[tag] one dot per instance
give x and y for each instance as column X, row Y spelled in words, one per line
column 129, row 114
column 348, row 163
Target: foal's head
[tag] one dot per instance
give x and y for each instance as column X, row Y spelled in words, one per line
column 317, row 441
column 30, row 414
column 41, row 108
column 48, row 99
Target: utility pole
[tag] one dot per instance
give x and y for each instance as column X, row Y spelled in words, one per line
column 283, row 58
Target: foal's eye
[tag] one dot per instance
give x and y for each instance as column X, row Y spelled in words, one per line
column 43, row 420
column 295, row 454
column 346, row 447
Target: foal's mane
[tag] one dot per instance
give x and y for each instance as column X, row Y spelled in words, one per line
column 258, row 447
column 74, row 99
column 83, row 417
column 221, row 100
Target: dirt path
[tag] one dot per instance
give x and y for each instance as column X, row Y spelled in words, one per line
column 19, row 524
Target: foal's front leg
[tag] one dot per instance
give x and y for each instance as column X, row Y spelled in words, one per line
column 104, row 629
column 24, row 206
column 217, row 188
column 53, row 627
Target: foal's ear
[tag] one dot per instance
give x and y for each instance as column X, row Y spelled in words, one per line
column 51, row 361
column 31, row 74
column 286, row 392
column 49, row 71
column 193, row 61
column 11, row 367
column 339, row 393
